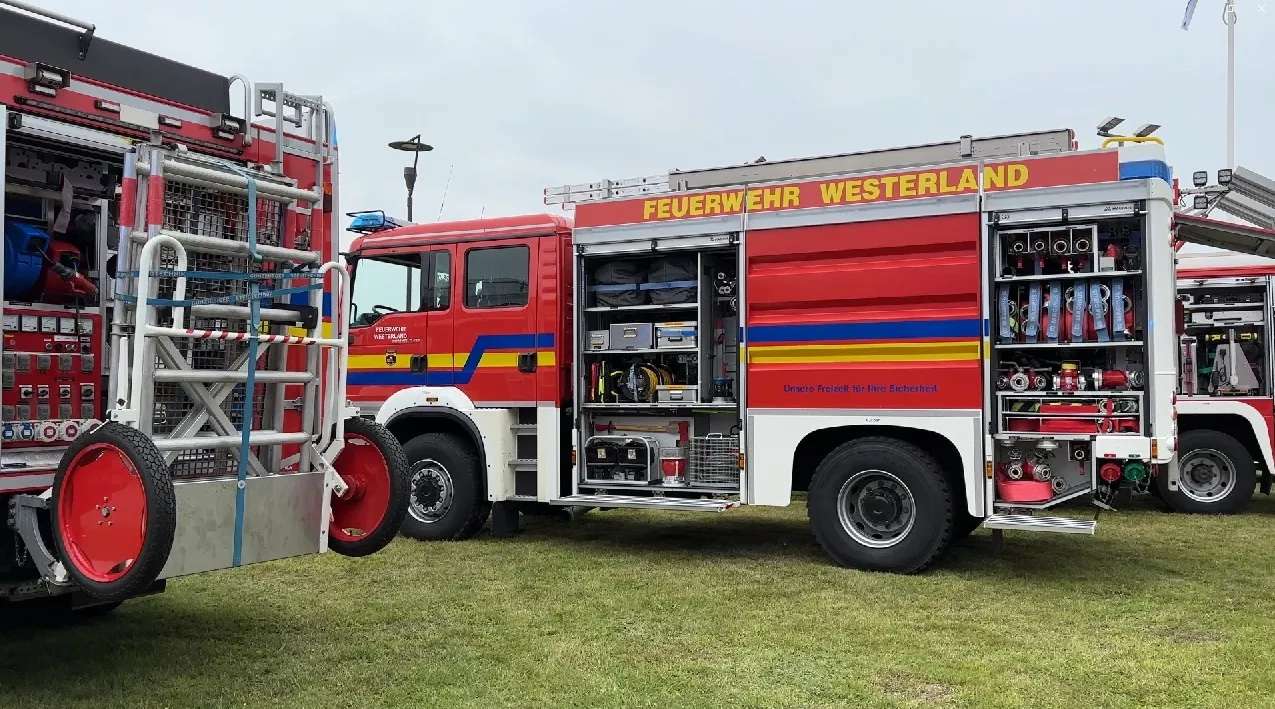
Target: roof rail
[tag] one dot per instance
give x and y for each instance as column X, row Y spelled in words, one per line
column 966, row 148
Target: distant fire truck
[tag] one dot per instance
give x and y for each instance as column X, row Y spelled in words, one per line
column 174, row 326
column 1226, row 412
column 923, row 339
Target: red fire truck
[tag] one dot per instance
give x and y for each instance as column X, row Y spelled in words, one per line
column 923, row 339
column 174, row 326
column 1227, row 416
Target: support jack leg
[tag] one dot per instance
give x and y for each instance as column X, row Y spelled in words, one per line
column 998, row 541
column 505, row 520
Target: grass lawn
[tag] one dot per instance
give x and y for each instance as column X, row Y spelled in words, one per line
column 635, row 609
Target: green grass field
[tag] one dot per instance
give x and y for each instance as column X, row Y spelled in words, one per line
column 629, row 609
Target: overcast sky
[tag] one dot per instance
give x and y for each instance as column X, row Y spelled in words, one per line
column 517, row 95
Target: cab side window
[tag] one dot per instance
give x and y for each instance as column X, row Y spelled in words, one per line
column 386, row 284
column 497, row 277
column 438, row 280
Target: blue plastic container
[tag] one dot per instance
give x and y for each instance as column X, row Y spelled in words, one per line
column 24, row 245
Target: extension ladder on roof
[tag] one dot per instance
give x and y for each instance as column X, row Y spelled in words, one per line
column 966, row 148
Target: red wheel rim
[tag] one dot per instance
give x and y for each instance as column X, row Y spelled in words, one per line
column 102, row 512
column 360, row 510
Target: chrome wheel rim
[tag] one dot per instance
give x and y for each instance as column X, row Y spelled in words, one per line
column 1207, row 475
column 876, row 509
column 432, row 491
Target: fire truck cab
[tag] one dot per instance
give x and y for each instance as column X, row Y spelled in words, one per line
column 174, row 326
column 922, row 339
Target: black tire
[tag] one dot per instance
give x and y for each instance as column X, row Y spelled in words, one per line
column 160, row 508
column 396, row 510
column 468, row 509
column 933, row 510
column 1230, row 456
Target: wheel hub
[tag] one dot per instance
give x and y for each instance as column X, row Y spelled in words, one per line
column 432, row 491
column 1202, row 473
column 427, row 492
column 880, row 507
column 354, row 487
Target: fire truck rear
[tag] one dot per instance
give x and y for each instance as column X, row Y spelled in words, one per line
column 174, row 325
column 1226, row 409
column 923, row 339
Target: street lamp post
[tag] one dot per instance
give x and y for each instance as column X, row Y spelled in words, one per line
column 1228, row 19
column 415, row 147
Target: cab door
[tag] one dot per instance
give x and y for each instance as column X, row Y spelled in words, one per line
column 439, row 307
column 388, row 331
column 496, row 338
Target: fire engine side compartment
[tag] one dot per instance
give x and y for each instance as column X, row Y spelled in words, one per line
column 870, row 318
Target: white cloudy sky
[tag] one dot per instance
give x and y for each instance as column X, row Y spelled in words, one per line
column 520, row 94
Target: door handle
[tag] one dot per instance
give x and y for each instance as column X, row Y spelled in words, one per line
column 526, row 361
column 417, row 363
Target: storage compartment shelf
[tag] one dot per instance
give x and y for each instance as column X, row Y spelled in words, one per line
column 648, row 350
column 1069, row 345
column 591, row 483
column 657, row 405
column 1067, row 276
column 1082, row 394
column 1033, row 436
column 1075, row 492
column 646, row 306
column 1222, row 306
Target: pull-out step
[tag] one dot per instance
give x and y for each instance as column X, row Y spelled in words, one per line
column 649, row 503
column 1027, row 523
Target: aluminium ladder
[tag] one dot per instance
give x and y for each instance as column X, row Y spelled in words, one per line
column 967, row 148
column 203, row 357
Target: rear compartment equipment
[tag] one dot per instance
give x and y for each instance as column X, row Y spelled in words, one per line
column 1068, row 355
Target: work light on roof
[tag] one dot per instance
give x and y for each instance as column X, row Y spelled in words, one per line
column 1200, row 178
column 1201, row 201
column 1224, row 177
column 1105, row 128
column 1146, row 129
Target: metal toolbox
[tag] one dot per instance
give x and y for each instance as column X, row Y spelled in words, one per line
column 596, row 340
column 678, row 335
column 630, row 336
column 677, row 393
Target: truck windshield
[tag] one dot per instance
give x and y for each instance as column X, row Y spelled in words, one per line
column 387, row 284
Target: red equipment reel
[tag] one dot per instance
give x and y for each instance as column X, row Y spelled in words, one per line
column 369, row 514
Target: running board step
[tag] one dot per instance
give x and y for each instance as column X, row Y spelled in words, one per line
column 649, row 503
column 1027, row 523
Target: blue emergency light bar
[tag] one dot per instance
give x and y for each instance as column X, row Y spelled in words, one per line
column 372, row 221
